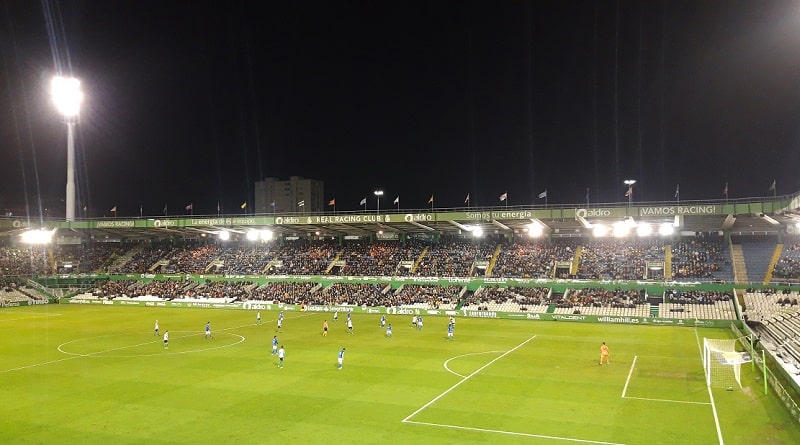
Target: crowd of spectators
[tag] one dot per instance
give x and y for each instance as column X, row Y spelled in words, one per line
column 245, row 259
column 532, row 258
column 434, row 296
column 600, row 259
column 523, row 296
column 454, row 257
column 284, row 292
column 788, row 266
column 619, row 259
column 698, row 258
column 87, row 258
column 597, row 297
column 15, row 261
column 304, row 257
column 378, row 259
column 696, row 296
column 352, row 294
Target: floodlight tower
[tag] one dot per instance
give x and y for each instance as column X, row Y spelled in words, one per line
column 378, row 194
column 629, row 192
column 67, row 97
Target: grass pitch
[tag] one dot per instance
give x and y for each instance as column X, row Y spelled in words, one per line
column 79, row 374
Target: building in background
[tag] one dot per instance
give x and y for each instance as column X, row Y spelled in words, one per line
column 296, row 194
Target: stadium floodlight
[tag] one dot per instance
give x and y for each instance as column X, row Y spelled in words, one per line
column 621, row 229
column 378, row 194
column 644, row 229
column 67, row 97
column 666, row 229
column 599, row 230
column 37, row 236
column 535, row 230
column 224, row 235
column 253, row 235
column 266, row 235
column 629, row 192
column 477, row 231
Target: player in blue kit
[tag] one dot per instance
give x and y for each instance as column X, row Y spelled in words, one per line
column 274, row 345
column 450, row 328
column 389, row 331
column 383, row 320
column 419, row 323
column 208, row 330
column 340, row 359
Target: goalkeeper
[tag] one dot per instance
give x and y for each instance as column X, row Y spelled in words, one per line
column 604, row 354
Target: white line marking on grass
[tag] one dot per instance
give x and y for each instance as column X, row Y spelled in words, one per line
column 630, row 373
column 511, row 433
column 104, row 354
column 464, row 355
column 688, row 402
column 710, row 395
column 628, row 380
column 29, row 317
column 447, row 391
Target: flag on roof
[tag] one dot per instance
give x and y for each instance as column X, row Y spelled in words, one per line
column 504, row 196
column 543, row 194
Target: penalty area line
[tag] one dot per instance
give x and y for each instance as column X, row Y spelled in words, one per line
column 447, row 391
column 512, row 433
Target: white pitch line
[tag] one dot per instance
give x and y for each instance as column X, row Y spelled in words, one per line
column 73, row 357
column 630, row 373
column 464, row 355
column 465, row 379
column 688, row 402
column 512, row 433
column 710, row 395
column 29, row 317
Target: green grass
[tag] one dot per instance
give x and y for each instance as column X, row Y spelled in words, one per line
column 79, row 374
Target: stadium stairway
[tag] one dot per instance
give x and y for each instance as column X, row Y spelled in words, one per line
column 493, row 261
column 739, row 266
column 576, row 261
column 419, row 259
column 776, row 256
column 667, row 266
column 333, row 263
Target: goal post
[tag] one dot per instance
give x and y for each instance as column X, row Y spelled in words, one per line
column 722, row 363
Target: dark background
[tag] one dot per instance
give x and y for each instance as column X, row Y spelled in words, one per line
column 193, row 101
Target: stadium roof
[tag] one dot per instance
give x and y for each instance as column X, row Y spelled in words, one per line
column 751, row 216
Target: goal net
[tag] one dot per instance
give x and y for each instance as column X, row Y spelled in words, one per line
column 722, row 363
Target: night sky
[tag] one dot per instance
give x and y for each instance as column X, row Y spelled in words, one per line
column 192, row 102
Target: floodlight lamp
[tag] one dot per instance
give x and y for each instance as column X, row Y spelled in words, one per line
column 599, row 230
column 378, row 192
column 644, row 229
column 67, row 95
column 621, row 229
column 37, row 236
column 666, row 229
column 252, row 235
column 477, row 231
column 535, row 230
column 266, row 235
column 629, row 182
column 224, row 235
